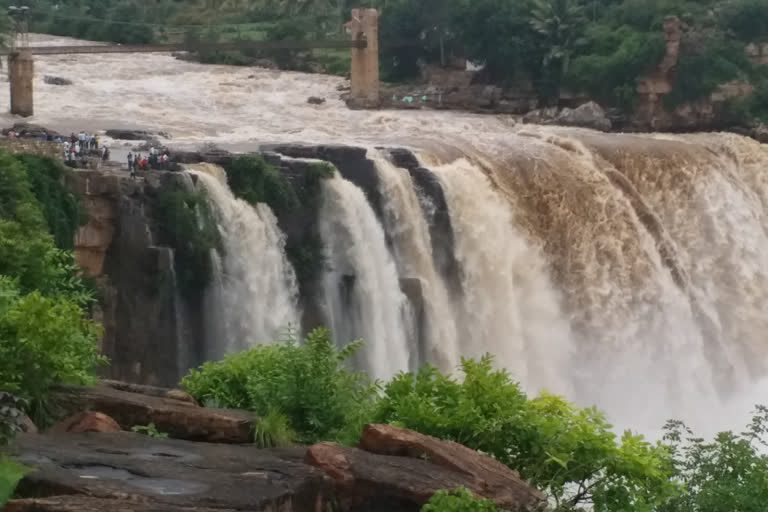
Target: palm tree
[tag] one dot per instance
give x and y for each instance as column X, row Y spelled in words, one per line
column 560, row 23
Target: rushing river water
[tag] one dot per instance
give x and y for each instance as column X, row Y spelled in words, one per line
column 626, row 270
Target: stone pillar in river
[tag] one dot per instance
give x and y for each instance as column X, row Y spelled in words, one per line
column 21, row 69
column 364, row 68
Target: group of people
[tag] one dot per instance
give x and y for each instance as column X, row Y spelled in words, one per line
column 78, row 147
column 157, row 159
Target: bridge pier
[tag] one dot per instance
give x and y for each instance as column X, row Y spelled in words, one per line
column 21, row 70
column 364, row 67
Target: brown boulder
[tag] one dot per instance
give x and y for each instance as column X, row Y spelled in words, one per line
column 86, row 422
column 180, row 420
column 409, row 481
column 27, row 425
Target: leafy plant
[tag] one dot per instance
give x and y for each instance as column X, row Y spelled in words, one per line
column 309, row 383
column 458, row 500
column 255, row 180
column 728, row 473
column 149, row 430
column 569, row 452
column 11, row 472
column 273, row 430
column 44, row 341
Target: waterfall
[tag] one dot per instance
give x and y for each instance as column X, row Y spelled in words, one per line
column 509, row 307
column 254, row 289
column 407, row 227
column 361, row 287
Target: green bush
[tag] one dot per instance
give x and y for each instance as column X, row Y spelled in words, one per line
column 43, row 341
column 273, row 430
column 187, row 224
column 728, row 473
column 746, row 19
column 309, row 383
column 11, row 472
column 570, row 453
column 703, row 66
column 253, row 179
column 458, row 500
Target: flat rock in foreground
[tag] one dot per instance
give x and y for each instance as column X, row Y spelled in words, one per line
column 179, row 419
column 135, row 473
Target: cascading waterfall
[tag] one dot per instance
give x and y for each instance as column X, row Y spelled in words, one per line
column 509, row 307
column 254, row 287
column 361, row 288
column 412, row 247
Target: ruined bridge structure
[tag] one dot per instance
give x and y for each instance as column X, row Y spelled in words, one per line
column 364, row 65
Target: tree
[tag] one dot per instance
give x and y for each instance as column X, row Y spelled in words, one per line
column 559, row 24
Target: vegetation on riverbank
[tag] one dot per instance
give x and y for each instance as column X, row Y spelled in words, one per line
column 46, row 336
column 569, row 452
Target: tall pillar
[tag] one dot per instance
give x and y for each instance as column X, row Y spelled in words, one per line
column 364, row 68
column 21, row 69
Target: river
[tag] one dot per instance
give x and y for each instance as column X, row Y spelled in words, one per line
column 629, row 271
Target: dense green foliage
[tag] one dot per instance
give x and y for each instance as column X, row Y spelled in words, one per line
column 186, row 223
column 273, row 430
column 570, row 453
column 308, row 383
column 458, row 500
column 45, row 335
column 253, row 179
column 728, row 473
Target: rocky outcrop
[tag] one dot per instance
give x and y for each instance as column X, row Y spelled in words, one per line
column 32, row 131
column 404, row 469
column 129, row 472
column 124, row 134
column 314, row 100
column 56, row 80
column 173, row 394
column 86, row 422
column 589, row 115
column 179, row 419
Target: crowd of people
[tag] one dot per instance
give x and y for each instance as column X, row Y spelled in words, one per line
column 79, row 146
column 157, row 159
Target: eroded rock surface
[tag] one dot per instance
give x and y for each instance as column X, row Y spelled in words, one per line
column 130, row 472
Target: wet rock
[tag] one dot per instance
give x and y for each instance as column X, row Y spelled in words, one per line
column 75, row 503
column 129, row 134
column 541, row 116
column 405, row 483
column 56, row 80
column 760, row 133
column 314, row 100
column 31, row 131
column 133, row 472
column 588, row 115
column 181, row 420
column 210, row 155
column 403, row 158
column 86, row 422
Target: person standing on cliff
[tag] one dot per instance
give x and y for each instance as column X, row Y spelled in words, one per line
column 130, row 161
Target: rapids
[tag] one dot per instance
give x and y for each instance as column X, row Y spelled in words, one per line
column 630, row 271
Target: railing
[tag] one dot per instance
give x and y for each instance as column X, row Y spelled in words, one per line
column 189, row 47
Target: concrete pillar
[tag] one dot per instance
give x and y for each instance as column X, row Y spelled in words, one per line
column 364, row 68
column 21, row 69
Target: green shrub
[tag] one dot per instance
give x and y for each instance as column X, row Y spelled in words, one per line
column 11, row 472
column 186, row 223
column 746, row 19
column 703, row 66
column 728, row 473
column 149, row 430
column 60, row 207
column 253, row 179
column 43, row 341
column 308, row 383
column 569, row 452
column 273, row 430
column 617, row 58
column 458, row 500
